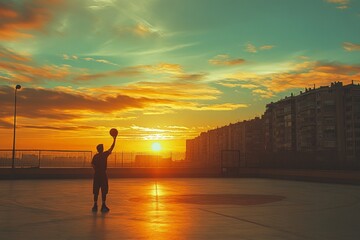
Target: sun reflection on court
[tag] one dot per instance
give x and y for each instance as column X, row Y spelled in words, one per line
column 156, row 190
column 159, row 219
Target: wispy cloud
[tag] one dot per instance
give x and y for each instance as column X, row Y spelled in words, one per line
column 253, row 49
column 340, row 4
column 160, row 70
column 348, row 46
column 181, row 90
column 263, row 93
column 75, row 57
column 222, row 107
column 232, row 83
column 139, row 29
column 124, row 72
column 8, row 54
column 163, row 67
column 266, row 47
column 58, row 127
column 225, row 60
column 250, row 48
column 159, row 132
column 163, row 49
column 191, row 77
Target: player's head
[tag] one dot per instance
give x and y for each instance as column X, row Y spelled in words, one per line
column 100, row 148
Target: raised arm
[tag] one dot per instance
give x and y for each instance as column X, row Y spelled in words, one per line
column 112, row 145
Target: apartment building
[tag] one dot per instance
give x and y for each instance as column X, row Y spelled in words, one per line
column 244, row 139
column 319, row 127
column 279, row 119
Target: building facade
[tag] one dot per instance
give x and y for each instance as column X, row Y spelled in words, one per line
column 243, row 141
column 320, row 127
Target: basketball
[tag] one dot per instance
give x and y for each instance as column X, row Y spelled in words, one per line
column 113, row 132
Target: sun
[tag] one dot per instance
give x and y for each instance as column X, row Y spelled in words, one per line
column 156, row 147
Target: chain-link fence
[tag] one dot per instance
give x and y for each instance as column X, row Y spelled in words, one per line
column 82, row 159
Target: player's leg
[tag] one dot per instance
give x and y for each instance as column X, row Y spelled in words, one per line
column 96, row 189
column 104, row 192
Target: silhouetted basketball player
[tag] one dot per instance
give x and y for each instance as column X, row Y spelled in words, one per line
column 99, row 163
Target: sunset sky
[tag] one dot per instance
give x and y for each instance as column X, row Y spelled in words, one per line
column 162, row 70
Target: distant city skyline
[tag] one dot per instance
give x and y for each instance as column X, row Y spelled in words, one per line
column 162, row 71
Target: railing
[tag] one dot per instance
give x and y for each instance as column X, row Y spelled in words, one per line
column 39, row 158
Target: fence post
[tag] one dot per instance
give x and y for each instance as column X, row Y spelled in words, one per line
column 122, row 159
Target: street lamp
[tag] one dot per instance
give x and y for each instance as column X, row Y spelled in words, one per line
column 13, row 150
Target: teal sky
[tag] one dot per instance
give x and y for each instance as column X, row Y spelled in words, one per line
column 166, row 69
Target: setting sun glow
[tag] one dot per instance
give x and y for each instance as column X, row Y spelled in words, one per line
column 156, row 147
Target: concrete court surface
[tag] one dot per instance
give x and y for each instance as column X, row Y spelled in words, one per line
column 211, row 208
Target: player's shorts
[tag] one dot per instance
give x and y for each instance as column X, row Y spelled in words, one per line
column 100, row 181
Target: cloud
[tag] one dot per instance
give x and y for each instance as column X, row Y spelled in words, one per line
column 348, row 46
column 74, row 57
column 341, row 4
column 255, row 85
column 338, row 1
column 124, row 72
column 253, row 49
column 20, row 18
column 169, row 68
column 339, row 69
column 225, row 60
column 263, row 93
column 250, row 48
column 161, row 70
column 158, row 132
column 300, row 75
column 58, row 128
column 194, row 77
column 232, row 83
column 177, row 127
column 140, row 28
column 162, row 49
column 321, row 74
column 8, row 54
column 146, row 129
column 222, row 107
column 6, row 124
column 23, row 69
column 176, row 90
column 248, row 85
column 67, row 105
column 26, row 73
column 145, row 29
column 266, row 47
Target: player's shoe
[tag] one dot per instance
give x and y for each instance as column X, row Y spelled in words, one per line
column 94, row 208
column 104, row 208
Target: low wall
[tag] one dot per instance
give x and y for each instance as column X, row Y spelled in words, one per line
column 326, row 176
column 330, row 176
column 59, row 173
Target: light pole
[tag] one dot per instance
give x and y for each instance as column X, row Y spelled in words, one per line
column 13, row 150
